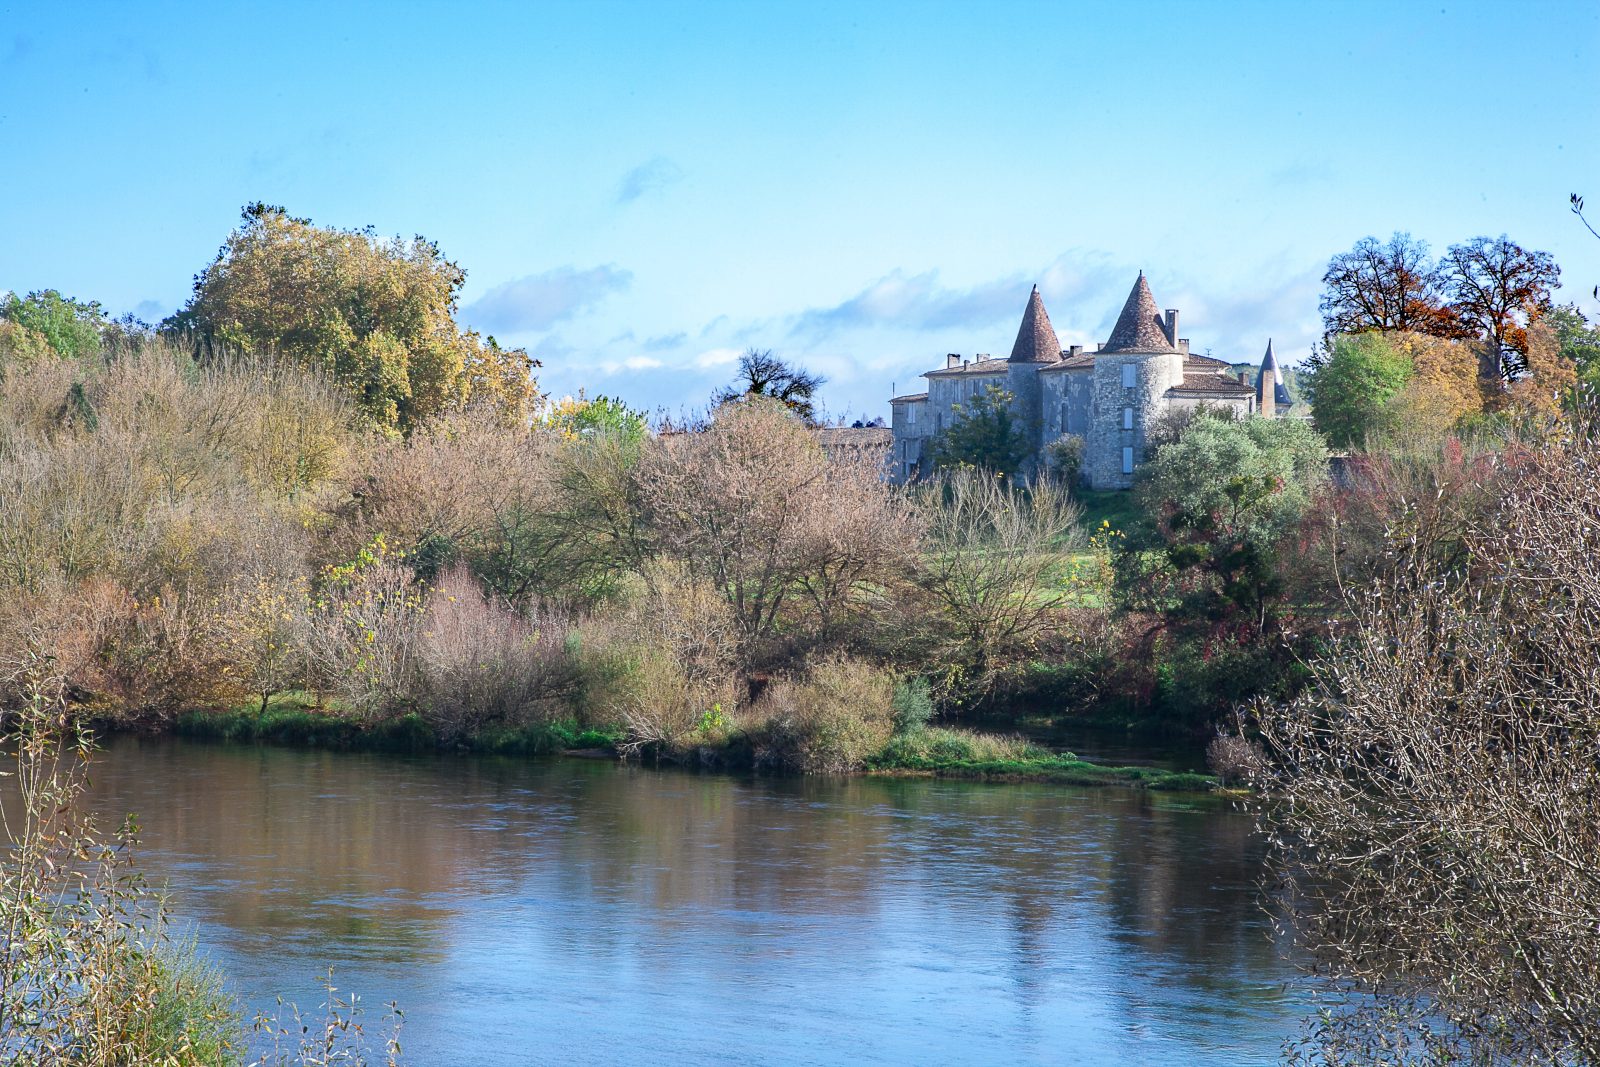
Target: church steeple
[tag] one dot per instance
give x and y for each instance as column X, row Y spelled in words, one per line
column 1140, row 327
column 1036, row 338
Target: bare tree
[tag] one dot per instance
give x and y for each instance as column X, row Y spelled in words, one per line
column 991, row 562
column 1435, row 799
column 792, row 539
column 763, row 374
column 1497, row 288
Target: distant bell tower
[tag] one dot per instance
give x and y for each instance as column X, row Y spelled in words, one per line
column 1269, row 385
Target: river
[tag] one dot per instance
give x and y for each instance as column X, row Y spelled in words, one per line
column 573, row 911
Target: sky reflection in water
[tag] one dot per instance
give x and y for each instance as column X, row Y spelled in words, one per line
column 574, row 911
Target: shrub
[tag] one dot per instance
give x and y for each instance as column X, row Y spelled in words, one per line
column 829, row 721
column 912, row 703
column 660, row 665
column 1233, row 758
column 1064, row 457
column 934, row 746
column 479, row 662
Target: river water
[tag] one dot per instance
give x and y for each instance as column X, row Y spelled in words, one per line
column 571, row 911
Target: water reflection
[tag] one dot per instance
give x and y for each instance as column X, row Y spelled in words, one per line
column 579, row 911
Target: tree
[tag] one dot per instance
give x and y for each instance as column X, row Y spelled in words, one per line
column 992, row 564
column 1222, row 502
column 763, row 374
column 579, row 417
column 1577, row 341
column 72, row 328
column 1431, row 801
column 1496, row 288
column 984, row 435
column 794, row 541
column 1349, row 391
column 1442, row 389
column 1391, row 286
column 377, row 316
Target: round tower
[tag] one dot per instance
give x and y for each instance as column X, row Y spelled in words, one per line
column 1132, row 373
column 1036, row 347
column 1268, row 382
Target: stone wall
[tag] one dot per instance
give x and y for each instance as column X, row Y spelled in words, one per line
column 1022, row 381
column 1109, row 432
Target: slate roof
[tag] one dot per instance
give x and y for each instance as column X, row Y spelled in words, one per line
column 1280, row 395
column 1209, row 383
column 1036, row 338
column 982, row 367
column 1191, row 363
column 1078, row 362
column 1139, row 328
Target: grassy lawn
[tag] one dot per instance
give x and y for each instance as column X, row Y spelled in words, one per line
column 1114, row 506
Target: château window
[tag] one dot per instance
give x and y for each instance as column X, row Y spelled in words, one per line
column 1127, row 461
column 1127, row 418
column 1127, row 375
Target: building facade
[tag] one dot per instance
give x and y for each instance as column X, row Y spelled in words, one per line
column 1110, row 398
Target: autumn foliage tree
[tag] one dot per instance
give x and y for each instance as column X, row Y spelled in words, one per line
column 1496, row 289
column 1487, row 292
column 796, row 541
column 375, row 315
column 1390, row 286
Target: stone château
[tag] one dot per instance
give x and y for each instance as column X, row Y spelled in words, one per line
column 1110, row 398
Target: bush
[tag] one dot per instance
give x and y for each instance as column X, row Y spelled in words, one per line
column 934, row 746
column 663, row 666
column 828, row 722
column 481, row 663
column 913, row 704
column 1064, row 457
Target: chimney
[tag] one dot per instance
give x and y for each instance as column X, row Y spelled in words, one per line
column 1075, row 350
column 1172, row 326
column 952, row 360
column 1183, row 345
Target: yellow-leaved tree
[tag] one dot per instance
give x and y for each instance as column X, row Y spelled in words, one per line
column 377, row 315
column 1443, row 387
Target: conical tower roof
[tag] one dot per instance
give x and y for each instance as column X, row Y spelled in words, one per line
column 1036, row 338
column 1280, row 392
column 1139, row 328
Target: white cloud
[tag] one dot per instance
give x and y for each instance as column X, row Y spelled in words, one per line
column 539, row 301
column 717, row 357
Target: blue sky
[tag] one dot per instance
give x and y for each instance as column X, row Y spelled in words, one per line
column 639, row 191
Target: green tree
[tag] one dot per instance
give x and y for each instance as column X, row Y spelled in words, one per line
column 72, row 328
column 1352, row 386
column 1222, row 501
column 376, row 315
column 581, row 417
column 984, row 435
column 1577, row 341
column 1209, row 566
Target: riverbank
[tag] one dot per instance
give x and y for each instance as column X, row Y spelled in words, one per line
column 923, row 751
